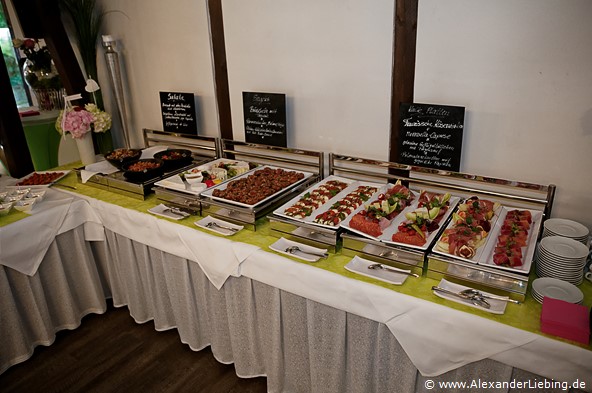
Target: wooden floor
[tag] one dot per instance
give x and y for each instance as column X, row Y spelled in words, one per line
column 111, row 353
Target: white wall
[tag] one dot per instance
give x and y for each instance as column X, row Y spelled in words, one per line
column 522, row 69
column 331, row 58
column 162, row 47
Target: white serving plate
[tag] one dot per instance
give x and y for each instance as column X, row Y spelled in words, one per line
column 64, row 173
column 203, row 223
column 497, row 306
column 566, row 228
column 479, row 251
column 557, row 289
column 527, row 252
column 163, row 211
column 360, row 266
column 176, row 183
column 564, row 248
column 282, row 244
column 222, row 186
column 340, row 196
column 280, row 210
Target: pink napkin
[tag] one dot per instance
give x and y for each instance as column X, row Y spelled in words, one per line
column 567, row 320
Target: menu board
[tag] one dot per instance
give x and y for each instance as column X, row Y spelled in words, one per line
column 178, row 112
column 431, row 135
column 265, row 118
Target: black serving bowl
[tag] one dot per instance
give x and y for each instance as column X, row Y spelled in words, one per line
column 148, row 169
column 174, row 158
column 119, row 157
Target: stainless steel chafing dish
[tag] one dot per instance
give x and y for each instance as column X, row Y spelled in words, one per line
column 202, row 148
column 290, row 159
column 510, row 282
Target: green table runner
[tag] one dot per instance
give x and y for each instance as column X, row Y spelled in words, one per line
column 525, row 316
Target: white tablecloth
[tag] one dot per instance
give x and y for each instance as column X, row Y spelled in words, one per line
column 453, row 338
column 24, row 243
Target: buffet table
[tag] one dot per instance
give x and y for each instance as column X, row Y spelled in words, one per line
column 307, row 327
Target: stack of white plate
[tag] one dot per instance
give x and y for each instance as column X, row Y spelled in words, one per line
column 562, row 258
column 556, row 289
column 566, row 228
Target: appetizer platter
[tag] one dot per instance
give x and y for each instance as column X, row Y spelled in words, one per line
column 252, row 195
column 513, row 240
column 197, row 179
column 468, row 231
column 313, row 217
column 252, row 189
column 419, row 227
column 41, row 179
column 328, row 202
column 372, row 218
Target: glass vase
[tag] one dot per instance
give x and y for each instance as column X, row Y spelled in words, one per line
column 46, row 86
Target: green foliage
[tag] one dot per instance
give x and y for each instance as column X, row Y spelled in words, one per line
column 3, row 22
column 87, row 24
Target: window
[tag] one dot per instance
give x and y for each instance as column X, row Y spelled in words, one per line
column 16, row 78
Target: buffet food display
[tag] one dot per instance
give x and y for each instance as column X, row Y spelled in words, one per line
column 471, row 230
column 453, row 227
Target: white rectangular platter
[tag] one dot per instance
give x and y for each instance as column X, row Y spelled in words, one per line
column 527, row 252
column 351, row 186
column 48, row 184
column 176, row 183
column 209, row 193
column 479, row 251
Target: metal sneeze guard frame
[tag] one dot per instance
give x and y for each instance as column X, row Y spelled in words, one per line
column 516, row 194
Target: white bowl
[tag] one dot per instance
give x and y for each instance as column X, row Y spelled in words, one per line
column 193, row 178
column 5, row 208
column 13, row 197
column 37, row 195
column 24, row 205
column 20, row 191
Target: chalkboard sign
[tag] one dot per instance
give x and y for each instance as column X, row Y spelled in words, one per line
column 431, row 135
column 178, row 112
column 265, row 118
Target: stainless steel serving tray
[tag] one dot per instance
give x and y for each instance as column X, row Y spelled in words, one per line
column 484, row 275
column 248, row 214
column 117, row 183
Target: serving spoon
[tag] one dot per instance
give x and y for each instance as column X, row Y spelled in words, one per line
column 382, row 267
column 215, row 224
column 294, row 249
column 471, row 291
column 476, row 300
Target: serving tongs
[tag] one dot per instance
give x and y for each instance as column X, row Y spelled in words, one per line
column 475, row 299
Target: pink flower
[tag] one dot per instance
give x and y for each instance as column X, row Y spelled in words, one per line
column 77, row 122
